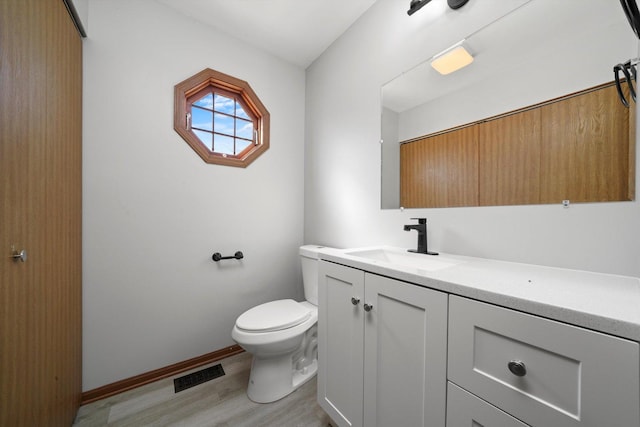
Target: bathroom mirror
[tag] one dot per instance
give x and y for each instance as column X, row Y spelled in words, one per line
column 530, row 52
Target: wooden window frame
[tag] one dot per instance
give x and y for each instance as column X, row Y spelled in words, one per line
column 187, row 92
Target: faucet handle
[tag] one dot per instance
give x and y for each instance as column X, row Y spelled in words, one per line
column 421, row 220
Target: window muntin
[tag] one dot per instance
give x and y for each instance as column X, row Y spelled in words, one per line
column 221, row 122
column 221, row 118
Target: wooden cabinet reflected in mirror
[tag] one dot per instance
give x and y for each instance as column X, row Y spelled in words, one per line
column 580, row 148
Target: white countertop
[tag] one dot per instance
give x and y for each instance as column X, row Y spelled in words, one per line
column 601, row 302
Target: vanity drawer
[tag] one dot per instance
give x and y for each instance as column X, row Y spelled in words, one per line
column 543, row 372
column 465, row 409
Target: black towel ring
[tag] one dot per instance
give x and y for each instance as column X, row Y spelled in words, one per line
column 627, row 75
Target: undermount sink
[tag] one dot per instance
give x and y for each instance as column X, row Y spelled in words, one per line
column 400, row 257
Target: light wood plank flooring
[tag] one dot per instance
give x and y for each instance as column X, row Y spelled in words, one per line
column 220, row 402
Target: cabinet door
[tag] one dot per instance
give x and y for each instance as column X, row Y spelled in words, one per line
column 405, row 354
column 465, row 409
column 340, row 342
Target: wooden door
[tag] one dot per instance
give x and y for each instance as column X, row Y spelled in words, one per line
column 405, row 356
column 509, row 160
column 441, row 170
column 340, row 343
column 40, row 189
column 585, row 149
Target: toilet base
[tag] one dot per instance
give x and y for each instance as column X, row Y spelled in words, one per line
column 273, row 378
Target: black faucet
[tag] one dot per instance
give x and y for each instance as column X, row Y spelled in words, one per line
column 421, row 228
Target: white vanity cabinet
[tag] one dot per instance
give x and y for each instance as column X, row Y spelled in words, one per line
column 382, row 350
column 454, row 341
column 542, row 372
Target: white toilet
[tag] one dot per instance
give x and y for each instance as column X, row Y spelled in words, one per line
column 282, row 336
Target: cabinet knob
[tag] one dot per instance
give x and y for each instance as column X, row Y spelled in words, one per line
column 517, row 368
column 368, row 307
column 355, row 301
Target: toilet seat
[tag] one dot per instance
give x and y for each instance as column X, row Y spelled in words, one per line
column 273, row 316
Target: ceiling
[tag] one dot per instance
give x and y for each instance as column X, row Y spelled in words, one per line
column 297, row 31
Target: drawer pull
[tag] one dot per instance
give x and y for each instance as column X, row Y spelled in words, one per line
column 517, row 368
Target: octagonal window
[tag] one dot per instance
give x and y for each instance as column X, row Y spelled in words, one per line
column 221, row 118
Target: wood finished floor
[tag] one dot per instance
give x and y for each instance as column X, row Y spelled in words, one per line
column 221, row 402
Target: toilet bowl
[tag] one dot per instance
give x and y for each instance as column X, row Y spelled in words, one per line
column 282, row 337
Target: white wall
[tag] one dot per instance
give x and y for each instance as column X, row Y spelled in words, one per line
column 390, row 151
column 342, row 159
column 154, row 212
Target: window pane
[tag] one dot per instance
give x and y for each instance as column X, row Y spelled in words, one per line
column 224, row 104
column 240, row 111
column 205, row 102
column 241, row 144
column 205, row 138
column 201, row 119
column 244, row 129
column 223, row 144
column 223, row 124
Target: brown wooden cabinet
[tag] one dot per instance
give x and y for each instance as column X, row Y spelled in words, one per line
column 579, row 148
column 40, row 212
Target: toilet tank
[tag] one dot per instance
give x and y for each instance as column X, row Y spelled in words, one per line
column 309, row 259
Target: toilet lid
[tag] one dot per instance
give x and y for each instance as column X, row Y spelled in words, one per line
column 273, row 316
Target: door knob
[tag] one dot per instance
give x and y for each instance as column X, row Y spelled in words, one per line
column 368, row 307
column 19, row 256
column 355, row 301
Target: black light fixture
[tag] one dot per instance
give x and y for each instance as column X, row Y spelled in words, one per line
column 633, row 14
column 416, row 5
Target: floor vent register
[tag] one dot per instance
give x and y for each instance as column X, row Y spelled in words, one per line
column 197, row 378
